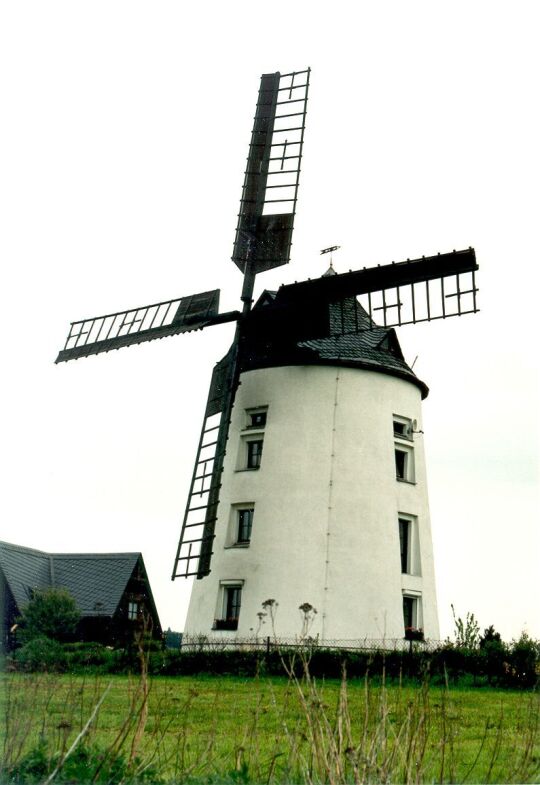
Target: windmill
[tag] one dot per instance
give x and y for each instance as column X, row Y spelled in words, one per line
column 335, row 513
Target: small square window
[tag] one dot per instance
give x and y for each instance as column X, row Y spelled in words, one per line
column 404, row 458
column 403, row 428
column 254, row 453
column 257, row 419
column 133, row 611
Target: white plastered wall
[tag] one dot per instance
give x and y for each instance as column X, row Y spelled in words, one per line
column 326, row 501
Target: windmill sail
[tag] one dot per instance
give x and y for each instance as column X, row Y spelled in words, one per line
column 418, row 290
column 269, row 195
column 263, row 241
column 124, row 328
column 195, row 547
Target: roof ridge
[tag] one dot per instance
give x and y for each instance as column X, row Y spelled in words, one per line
column 108, row 555
column 16, row 547
column 68, row 555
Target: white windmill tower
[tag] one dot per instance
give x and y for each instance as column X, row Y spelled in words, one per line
column 309, row 482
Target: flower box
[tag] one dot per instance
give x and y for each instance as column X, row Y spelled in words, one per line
column 412, row 634
column 225, row 624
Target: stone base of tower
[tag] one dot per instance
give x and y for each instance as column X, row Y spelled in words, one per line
column 323, row 501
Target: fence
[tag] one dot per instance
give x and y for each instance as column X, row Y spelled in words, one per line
column 272, row 643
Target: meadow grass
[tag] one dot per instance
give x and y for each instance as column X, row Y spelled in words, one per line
column 276, row 730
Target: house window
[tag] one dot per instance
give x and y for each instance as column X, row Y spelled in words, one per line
column 245, row 523
column 254, row 453
column 133, row 611
column 405, row 544
column 232, row 600
column 404, row 458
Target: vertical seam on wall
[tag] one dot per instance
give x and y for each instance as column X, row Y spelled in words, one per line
column 328, row 532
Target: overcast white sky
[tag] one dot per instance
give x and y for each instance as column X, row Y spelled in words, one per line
column 123, row 140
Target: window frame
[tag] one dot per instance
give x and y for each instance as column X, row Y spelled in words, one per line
column 416, row 616
column 408, row 463
column 405, row 538
column 240, row 513
column 256, row 415
column 253, row 459
column 253, row 412
column 133, row 610
column 403, row 422
column 232, row 603
column 413, row 560
column 226, row 604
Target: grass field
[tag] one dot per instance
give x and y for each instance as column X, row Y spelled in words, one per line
column 271, row 730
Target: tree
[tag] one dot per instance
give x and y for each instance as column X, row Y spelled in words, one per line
column 51, row 613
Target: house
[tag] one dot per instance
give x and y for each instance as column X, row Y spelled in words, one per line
column 111, row 590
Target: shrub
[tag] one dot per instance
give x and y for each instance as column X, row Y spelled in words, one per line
column 87, row 656
column 523, row 658
column 493, row 656
column 41, row 654
column 51, row 613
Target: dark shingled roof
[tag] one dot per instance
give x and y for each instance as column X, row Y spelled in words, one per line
column 373, row 348
column 344, row 334
column 93, row 579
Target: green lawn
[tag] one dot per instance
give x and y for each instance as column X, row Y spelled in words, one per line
column 269, row 730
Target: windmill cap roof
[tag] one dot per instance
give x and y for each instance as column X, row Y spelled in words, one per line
column 307, row 333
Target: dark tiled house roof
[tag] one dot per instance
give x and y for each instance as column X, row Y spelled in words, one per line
column 96, row 581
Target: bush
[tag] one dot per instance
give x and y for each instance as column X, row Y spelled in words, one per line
column 51, row 613
column 87, row 656
column 493, row 656
column 523, row 659
column 41, row 654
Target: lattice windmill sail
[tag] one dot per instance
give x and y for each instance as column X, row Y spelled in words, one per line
column 306, row 324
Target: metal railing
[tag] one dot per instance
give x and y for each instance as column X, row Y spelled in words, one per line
column 270, row 643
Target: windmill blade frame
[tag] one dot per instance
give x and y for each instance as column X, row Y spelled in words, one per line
column 268, row 204
column 390, row 291
column 147, row 323
column 194, row 550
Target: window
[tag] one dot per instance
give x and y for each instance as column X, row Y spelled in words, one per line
column 240, row 525
column 133, row 611
column 232, row 600
column 251, row 444
column 254, row 453
column 245, row 523
column 405, row 544
column 411, row 612
column 409, row 545
column 403, row 428
column 257, row 419
column 404, row 457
